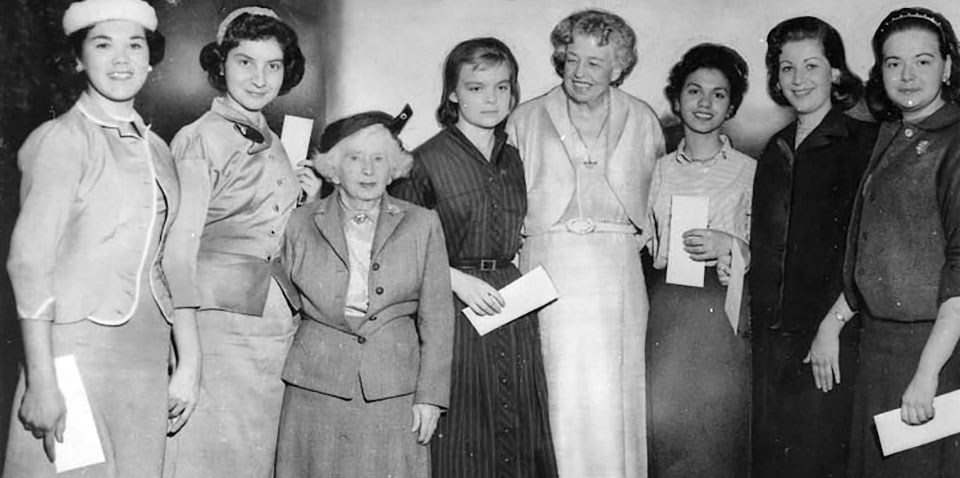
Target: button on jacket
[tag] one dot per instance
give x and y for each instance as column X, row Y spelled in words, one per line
column 404, row 342
column 90, row 190
column 240, row 189
column 802, row 199
column 903, row 247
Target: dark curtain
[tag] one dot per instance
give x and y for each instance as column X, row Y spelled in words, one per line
column 36, row 84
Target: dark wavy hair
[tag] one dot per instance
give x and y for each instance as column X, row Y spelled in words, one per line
column 156, row 44
column 476, row 52
column 254, row 27
column 712, row 56
column 848, row 89
column 606, row 28
column 914, row 18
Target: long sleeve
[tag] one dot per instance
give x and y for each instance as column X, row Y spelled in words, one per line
column 51, row 163
column 948, row 200
column 435, row 322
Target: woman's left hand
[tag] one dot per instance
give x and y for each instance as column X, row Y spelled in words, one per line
column 183, row 392
column 309, row 181
column 707, row 244
column 916, row 406
column 425, row 417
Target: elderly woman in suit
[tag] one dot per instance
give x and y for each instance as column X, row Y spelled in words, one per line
column 588, row 151
column 369, row 371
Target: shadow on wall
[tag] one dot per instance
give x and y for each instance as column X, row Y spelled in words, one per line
column 36, row 85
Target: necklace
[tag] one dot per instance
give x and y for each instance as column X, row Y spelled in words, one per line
column 588, row 160
column 358, row 216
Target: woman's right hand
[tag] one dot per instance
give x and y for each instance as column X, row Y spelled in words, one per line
column 824, row 355
column 43, row 413
column 481, row 297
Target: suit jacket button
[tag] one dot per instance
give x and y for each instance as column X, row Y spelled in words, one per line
column 375, row 266
column 361, row 340
column 373, row 318
column 379, row 290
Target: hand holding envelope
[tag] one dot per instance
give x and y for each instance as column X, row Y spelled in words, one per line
column 532, row 291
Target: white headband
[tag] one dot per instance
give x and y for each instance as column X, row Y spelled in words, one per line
column 86, row 13
column 240, row 11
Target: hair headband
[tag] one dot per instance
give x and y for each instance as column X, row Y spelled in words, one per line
column 913, row 14
column 240, row 11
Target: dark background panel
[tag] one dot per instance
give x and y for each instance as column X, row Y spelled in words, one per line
column 36, row 85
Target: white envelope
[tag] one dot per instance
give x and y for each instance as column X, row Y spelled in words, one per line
column 896, row 436
column 295, row 137
column 686, row 212
column 533, row 290
column 81, row 443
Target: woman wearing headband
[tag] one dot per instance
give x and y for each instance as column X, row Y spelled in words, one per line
column 902, row 267
column 241, row 188
column 99, row 192
column 369, row 370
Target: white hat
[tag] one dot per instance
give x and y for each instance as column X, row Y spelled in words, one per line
column 86, row 13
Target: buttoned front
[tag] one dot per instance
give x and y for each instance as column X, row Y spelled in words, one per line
column 390, row 353
column 240, row 194
column 904, row 270
column 93, row 189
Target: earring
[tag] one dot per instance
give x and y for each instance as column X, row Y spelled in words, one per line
column 946, row 80
column 149, row 68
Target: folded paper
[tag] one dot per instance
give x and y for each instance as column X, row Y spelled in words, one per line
column 531, row 291
column 897, row 436
column 295, row 137
column 686, row 212
column 81, row 443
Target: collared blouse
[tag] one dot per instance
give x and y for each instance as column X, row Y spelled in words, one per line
column 241, row 190
column 92, row 189
column 726, row 180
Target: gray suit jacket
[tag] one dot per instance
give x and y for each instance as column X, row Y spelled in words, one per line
column 404, row 344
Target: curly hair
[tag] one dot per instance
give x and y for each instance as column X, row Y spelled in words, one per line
column 254, row 27
column 327, row 158
column 606, row 28
column 477, row 52
column 845, row 92
column 711, row 56
column 915, row 18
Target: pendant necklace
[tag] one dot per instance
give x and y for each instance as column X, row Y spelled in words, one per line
column 588, row 160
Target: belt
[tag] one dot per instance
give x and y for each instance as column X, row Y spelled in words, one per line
column 585, row 225
column 481, row 264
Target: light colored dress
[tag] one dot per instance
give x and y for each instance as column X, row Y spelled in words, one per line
column 98, row 196
column 583, row 222
column 241, row 188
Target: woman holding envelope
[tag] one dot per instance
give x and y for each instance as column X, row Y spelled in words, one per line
column 241, row 189
column 497, row 424
column 902, row 266
column 698, row 352
column 99, row 193
column 369, row 371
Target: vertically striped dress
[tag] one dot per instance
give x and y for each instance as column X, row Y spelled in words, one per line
column 497, row 424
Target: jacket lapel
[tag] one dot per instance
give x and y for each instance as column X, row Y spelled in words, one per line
column 328, row 220
column 556, row 106
column 390, row 216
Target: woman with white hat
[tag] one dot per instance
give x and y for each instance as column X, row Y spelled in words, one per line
column 99, row 192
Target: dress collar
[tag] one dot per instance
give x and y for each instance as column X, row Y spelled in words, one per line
column 129, row 127
column 254, row 129
column 721, row 154
column 947, row 115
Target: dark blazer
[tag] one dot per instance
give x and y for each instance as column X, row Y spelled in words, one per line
column 802, row 201
column 404, row 344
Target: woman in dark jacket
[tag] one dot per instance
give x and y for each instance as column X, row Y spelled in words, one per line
column 803, row 193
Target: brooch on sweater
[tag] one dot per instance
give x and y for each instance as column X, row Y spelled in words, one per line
column 922, row 147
